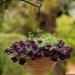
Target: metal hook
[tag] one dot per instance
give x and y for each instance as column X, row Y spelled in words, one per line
column 33, row 4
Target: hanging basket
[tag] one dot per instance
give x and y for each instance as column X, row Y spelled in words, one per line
column 40, row 66
column 38, row 60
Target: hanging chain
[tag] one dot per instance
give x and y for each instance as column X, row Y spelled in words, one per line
column 37, row 17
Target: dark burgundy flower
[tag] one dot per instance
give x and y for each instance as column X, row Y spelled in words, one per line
column 34, row 46
column 9, row 51
column 68, row 55
column 69, row 49
column 22, row 44
column 53, row 52
column 23, row 51
column 45, row 52
column 62, row 56
column 14, row 59
column 41, row 49
column 48, row 46
column 31, row 42
column 60, row 43
column 37, row 55
column 62, row 50
column 22, row 61
column 14, row 46
column 30, row 53
column 18, row 46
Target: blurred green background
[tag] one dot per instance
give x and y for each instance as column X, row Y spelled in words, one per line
column 20, row 18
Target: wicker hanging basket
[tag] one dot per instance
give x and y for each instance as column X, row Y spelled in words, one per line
column 40, row 66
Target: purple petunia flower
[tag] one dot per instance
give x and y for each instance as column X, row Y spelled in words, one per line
column 8, row 51
column 22, row 61
column 30, row 53
column 14, row 46
column 22, row 44
column 69, row 49
column 60, row 43
column 34, row 46
column 62, row 56
column 37, row 55
column 32, row 42
column 48, row 46
column 68, row 55
column 14, row 59
column 45, row 52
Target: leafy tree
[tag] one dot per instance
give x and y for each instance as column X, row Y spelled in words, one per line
column 3, row 6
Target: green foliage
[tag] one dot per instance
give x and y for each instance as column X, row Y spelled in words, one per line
column 50, row 73
column 10, row 25
column 65, row 30
column 6, row 39
column 2, row 63
column 3, row 6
